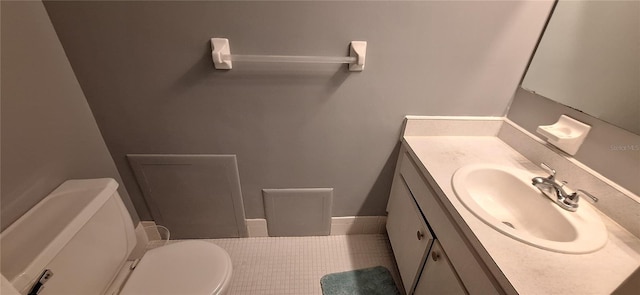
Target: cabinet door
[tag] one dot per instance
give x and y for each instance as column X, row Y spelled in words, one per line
column 438, row 276
column 408, row 233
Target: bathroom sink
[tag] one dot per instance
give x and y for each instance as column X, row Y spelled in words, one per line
column 504, row 198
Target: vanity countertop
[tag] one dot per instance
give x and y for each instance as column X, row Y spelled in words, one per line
column 528, row 269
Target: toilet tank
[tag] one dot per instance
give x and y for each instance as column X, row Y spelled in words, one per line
column 81, row 231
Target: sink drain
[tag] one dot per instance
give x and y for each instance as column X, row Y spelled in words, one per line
column 509, row 224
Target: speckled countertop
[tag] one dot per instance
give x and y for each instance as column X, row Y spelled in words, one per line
column 530, row 270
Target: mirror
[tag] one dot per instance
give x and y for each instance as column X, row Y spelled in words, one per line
column 589, row 59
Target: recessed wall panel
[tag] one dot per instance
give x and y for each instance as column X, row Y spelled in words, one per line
column 298, row 212
column 195, row 196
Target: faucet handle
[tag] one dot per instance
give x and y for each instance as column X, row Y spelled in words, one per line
column 587, row 194
column 550, row 170
column 573, row 199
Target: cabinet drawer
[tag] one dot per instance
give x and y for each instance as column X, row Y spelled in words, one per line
column 473, row 275
column 408, row 233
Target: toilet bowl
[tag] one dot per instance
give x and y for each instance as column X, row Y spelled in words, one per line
column 84, row 235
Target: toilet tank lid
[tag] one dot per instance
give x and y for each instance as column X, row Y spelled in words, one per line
column 37, row 236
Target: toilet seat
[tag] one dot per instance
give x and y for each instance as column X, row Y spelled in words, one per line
column 189, row 267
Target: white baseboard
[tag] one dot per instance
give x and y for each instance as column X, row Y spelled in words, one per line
column 347, row 225
column 257, row 227
column 142, row 239
column 151, row 230
column 357, row 225
column 147, row 232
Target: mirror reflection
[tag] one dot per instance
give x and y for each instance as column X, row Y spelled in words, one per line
column 589, row 59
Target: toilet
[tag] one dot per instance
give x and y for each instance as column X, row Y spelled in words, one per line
column 83, row 234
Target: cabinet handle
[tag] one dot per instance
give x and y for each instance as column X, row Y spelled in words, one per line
column 435, row 256
column 420, row 235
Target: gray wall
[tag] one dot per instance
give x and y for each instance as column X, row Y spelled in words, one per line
column 146, row 70
column 48, row 132
column 610, row 150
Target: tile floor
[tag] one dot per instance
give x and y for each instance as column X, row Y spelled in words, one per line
column 294, row 265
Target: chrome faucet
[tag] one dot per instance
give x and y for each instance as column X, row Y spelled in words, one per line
column 555, row 190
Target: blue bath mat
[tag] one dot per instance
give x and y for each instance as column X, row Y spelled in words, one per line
column 369, row 281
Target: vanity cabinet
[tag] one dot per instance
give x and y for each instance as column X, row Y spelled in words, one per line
column 439, row 261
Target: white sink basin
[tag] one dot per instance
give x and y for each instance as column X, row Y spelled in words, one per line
column 504, row 198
